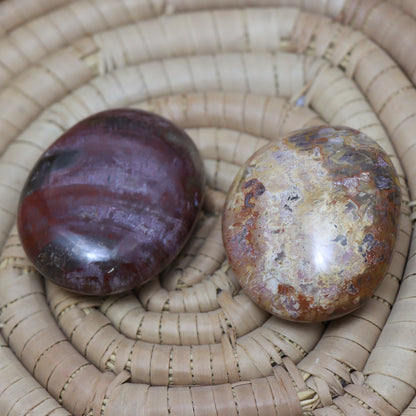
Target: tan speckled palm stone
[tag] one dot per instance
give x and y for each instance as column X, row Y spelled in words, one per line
column 310, row 223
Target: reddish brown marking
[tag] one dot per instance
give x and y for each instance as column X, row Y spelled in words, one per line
column 284, row 289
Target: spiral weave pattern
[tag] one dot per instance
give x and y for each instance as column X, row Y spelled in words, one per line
column 235, row 74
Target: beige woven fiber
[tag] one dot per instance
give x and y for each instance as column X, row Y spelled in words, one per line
column 235, row 74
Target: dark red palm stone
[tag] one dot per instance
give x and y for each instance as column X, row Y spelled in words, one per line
column 112, row 202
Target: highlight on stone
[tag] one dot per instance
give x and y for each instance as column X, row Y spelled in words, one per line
column 310, row 222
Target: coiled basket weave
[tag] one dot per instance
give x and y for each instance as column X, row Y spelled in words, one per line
column 235, row 74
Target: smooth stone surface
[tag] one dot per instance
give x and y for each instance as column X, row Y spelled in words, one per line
column 111, row 203
column 310, row 222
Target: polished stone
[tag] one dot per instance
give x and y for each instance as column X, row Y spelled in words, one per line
column 310, row 223
column 111, row 202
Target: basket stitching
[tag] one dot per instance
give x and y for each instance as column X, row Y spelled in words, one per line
column 393, row 95
column 69, row 380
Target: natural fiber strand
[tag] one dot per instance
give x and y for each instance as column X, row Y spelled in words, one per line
column 361, row 364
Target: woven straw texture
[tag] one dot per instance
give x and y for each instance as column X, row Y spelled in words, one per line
column 235, row 74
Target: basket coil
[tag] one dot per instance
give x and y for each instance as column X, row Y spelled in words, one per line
column 235, row 74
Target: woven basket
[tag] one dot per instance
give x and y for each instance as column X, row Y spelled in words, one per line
column 235, row 74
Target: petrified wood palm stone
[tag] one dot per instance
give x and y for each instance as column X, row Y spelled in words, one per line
column 111, row 202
